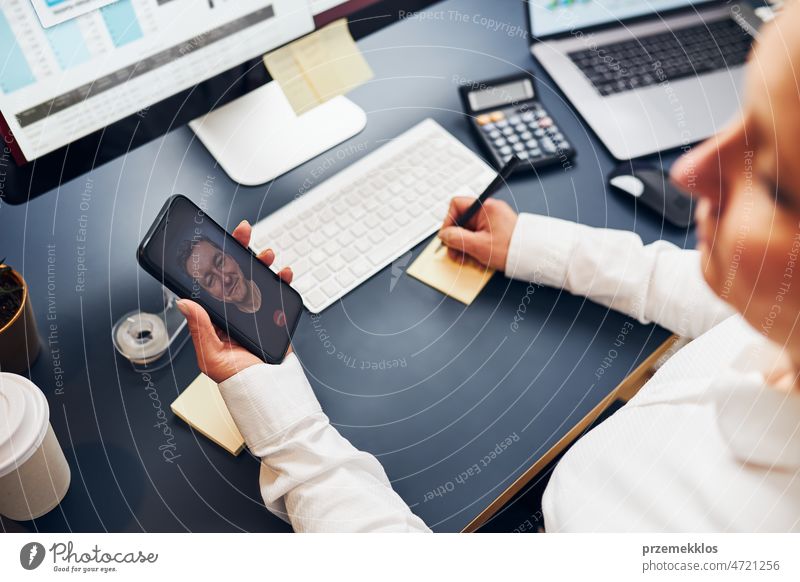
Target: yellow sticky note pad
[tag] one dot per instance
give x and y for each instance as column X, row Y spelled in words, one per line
column 319, row 66
column 201, row 406
column 460, row 281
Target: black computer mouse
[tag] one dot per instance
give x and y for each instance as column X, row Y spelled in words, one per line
column 651, row 186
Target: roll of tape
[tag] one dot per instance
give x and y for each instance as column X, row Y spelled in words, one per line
column 141, row 337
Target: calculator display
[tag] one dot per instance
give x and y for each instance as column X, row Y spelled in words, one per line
column 504, row 94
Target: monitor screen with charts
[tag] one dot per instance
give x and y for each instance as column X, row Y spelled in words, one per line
column 90, row 79
column 549, row 17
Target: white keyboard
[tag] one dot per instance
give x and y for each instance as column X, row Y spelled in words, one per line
column 348, row 228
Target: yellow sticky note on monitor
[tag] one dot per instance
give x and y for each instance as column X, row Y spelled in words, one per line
column 201, row 406
column 461, row 281
column 319, row 66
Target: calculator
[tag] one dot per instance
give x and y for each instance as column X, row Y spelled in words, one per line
column 509, row 120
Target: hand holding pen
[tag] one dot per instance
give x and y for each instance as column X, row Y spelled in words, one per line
column 483, row 236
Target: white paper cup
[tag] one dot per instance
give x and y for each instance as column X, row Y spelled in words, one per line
column 34, row 475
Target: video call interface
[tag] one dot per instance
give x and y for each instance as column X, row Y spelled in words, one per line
column 224, row 276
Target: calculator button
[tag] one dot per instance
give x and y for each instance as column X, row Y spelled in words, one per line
column 536, row 153
column 494, row 134
column 507, row 131
column 527, row 116
column 548, row 145
column 501, row 124
column 500, row 142
column 526, row 135
column 505, row 150
column 540, row 113
column 523, row 155
column 538, row 132
column 514, row 119
column 496, row 116
column 518, row 147
column 532, row 144
column 557, row 136
column 483, row 119
column 520, row 128
column 513, row 138
column 545, row 122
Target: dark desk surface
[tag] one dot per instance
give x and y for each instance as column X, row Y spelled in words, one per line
column 467, row 384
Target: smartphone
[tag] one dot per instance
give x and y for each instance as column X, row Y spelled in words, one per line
column 195, row 258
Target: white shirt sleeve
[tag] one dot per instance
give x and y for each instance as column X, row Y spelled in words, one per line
column 310, row 475
column 658, row 282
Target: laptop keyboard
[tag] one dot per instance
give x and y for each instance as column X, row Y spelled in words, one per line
column 667, row 56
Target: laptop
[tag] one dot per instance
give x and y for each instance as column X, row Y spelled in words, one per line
column 646, row 75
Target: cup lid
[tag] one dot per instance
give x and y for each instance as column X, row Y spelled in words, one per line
column 24, row 416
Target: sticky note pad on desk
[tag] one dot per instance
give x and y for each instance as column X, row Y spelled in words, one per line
column 201, row 406
column 461, row 281
column 318, row 67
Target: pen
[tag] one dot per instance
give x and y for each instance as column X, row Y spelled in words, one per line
column 490, row 190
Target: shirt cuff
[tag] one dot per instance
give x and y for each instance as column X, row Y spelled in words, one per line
column 540, row 249
column 266, row 400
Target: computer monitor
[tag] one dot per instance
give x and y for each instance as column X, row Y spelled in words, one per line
column 80, row 93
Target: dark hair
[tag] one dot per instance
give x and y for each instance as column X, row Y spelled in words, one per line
column 186, row 247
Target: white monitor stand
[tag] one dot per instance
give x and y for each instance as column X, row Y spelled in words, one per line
column 258, row 137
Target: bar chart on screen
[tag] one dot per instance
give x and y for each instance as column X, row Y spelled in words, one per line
column 59, row 83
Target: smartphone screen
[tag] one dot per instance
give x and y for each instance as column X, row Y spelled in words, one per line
column 202, row 262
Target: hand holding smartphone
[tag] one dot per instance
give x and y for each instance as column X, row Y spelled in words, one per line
column 194, row 257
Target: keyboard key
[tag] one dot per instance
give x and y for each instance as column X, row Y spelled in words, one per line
column 345, row 239
column 343, row 221
column 349, row 254
column 345, row 277
column 330, row 288
column 359, row 267
column 299, row 267
column 316, row 298
column 336, row 263
column 376, row 236
column 362, row 245
column 331, row 247
column 321, row 273
column 304, row 284
column 316, row 238
column 415, row 209
column 318, row 257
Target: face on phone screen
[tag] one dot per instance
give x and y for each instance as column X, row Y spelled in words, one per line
column 215, row 270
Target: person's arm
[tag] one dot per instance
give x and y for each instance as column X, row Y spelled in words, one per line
column 310, row 474
column 658, row 282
